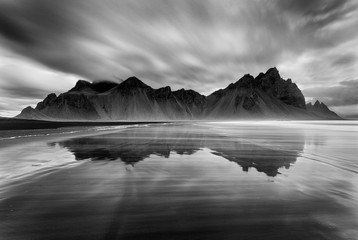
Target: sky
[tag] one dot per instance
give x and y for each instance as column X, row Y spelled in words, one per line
column 46, row 46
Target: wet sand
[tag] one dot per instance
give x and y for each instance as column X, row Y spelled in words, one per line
column 265, row 180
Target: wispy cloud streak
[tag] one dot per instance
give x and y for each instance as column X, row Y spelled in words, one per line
column 196, row 44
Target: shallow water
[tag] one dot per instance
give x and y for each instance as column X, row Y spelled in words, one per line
column 238, row 180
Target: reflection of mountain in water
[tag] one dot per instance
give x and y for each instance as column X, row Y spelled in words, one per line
column 136, row 144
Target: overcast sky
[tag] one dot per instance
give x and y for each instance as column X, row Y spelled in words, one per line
column 46, row 46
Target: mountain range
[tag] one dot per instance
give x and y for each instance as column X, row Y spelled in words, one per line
column 267, row 96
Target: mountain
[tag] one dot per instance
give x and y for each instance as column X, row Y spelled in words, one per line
column 266, row 96
column 321, row 110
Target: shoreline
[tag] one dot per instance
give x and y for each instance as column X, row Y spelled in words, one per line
column 27, row 124
column 32, row 124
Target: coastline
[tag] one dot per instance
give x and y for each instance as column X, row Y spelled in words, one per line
column 25, row 124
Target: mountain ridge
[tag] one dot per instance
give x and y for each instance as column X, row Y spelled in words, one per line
column 266, row 96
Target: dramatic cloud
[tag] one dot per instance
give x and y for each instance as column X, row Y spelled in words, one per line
column 340, row 96
column 343, row 94
column 199, row 44
column 343, row 60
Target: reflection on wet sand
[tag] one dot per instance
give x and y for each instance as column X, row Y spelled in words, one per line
column 135, row 145
column 175, row 182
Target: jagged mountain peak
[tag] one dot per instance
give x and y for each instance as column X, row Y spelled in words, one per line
column 272, row 71
column 133, row 82
column 245, row 81
column 271, row 76
column 318, row 103
column 274, row 85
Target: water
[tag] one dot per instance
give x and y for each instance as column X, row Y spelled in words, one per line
column 238, row 180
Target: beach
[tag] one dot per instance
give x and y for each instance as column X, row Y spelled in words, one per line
column 181, row 180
